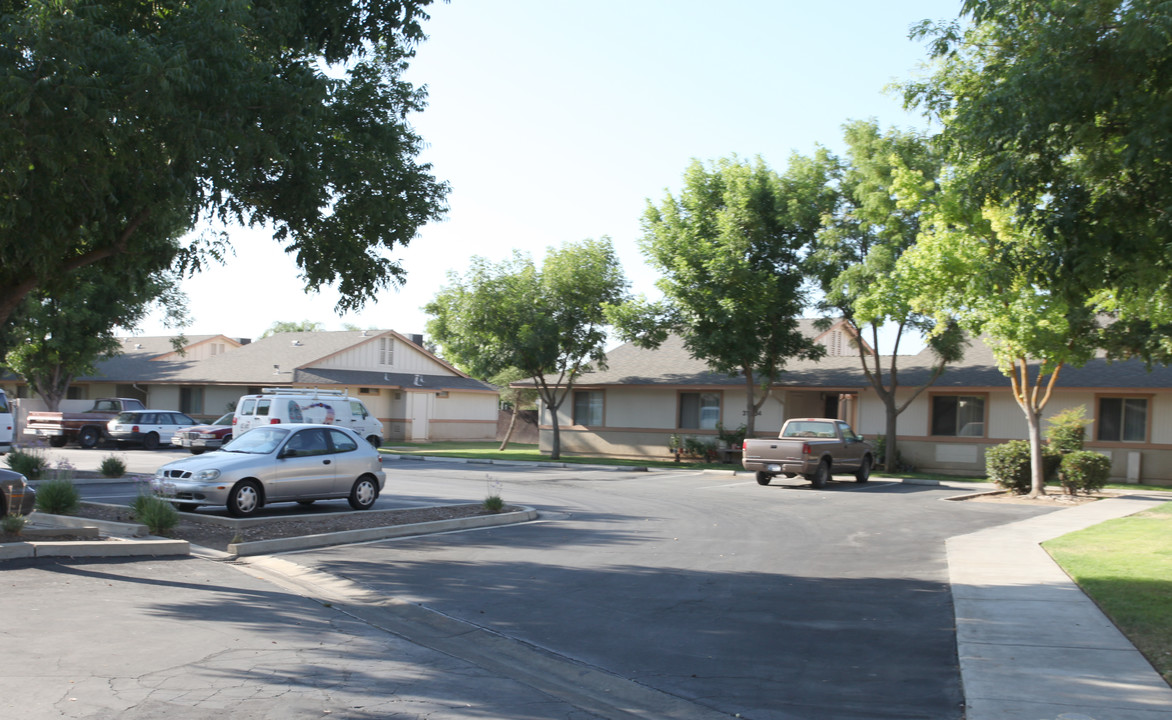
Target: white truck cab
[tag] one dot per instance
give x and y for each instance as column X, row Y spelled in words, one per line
column 304, row 405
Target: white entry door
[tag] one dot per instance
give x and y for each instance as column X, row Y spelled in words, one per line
column 420, row 416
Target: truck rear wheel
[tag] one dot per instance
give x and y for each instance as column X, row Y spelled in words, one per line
column 88, row 437
column 822, row 475
column 763, row 478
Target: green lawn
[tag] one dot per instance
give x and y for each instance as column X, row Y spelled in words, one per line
column 521, row 451
column 1125, row 566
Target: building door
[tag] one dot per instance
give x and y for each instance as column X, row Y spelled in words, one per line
column 420, row 416
column 831, row 406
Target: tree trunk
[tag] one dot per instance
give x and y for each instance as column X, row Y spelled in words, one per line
column 556, row 449
column 890, row 443
column 750, row 404
column 509, row 432
column 1037, row 467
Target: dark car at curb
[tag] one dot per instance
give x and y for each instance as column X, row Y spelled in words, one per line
column 17, row 497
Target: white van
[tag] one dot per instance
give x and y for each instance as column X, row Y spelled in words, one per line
column 7, row 424
column 302, row 405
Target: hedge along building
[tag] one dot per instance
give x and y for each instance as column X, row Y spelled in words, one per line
column 415, row 395
column 633, row 407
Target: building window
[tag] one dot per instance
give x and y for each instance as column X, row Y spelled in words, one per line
column 191, row 400
column 1122, row 420
column 131, row 391
column 588, row 408
column 386, row 351
column 958, row 415
column 699, row 411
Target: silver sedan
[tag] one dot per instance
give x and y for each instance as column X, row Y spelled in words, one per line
column 276, row 463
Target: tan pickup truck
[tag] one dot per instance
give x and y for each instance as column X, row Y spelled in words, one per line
column 814, row 448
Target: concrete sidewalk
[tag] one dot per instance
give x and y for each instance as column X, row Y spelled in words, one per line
column 1032, row 646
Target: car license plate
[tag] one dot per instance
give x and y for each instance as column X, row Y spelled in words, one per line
column 774, row 468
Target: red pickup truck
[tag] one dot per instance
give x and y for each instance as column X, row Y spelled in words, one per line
column 814, row 448
column 86, row 428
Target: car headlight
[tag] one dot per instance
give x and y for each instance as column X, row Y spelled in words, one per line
column 207, row 475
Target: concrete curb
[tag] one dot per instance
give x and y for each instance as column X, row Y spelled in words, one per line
column 306, row 542
column 130, row 540
column 107, row 527
column 111, row 547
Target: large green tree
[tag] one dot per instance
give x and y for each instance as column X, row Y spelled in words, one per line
column 730, row 248
column 56, row 337
column 855, row 263
column 985, row 267
column 1058, row 109
column 546, row 322
column 124, row 124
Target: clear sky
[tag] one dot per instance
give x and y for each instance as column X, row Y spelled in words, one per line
column 557, row 121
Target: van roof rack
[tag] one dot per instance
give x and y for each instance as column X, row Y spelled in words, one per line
column 303, row 391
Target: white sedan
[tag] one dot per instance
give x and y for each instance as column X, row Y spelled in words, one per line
column 273, row 464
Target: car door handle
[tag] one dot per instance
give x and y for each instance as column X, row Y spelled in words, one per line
column 325, row 462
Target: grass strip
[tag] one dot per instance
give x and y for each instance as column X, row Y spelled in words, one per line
column 1125, row 566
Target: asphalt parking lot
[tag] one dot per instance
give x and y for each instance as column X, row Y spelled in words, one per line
column 683, row 594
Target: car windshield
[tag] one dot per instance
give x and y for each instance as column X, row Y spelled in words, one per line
column 225, row 419
column 126, row 417
column 260, row 441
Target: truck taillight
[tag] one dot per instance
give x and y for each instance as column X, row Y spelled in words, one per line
column 134, row 429
column 805, row 448
column 744, row 444
column 275, row 421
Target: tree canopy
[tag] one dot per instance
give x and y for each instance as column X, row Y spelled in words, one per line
column 546, row 322
column 286, row 326
column 730, row 248
column 855, row 261
column 1058, row 111
column 56, row 337
column 988, row 270
column 123, row 124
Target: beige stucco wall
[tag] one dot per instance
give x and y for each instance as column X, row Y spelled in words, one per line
column 638, row 423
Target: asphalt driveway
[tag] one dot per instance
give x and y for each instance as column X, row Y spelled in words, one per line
column 771, row 602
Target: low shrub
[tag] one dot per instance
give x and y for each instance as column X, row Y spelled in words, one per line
column 697, row 448
column 1084, row 470
column 112, row 467
column 12, row 524
column 157, row 514
column 731, row 438
column 493, row 502
column 1068, row 430
column 58, row 497
column 31, row 464
column 1008, row 465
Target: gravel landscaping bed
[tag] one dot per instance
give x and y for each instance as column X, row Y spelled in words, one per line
column 209, row 534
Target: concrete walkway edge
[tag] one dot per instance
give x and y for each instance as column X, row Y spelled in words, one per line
column 1032, row 645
